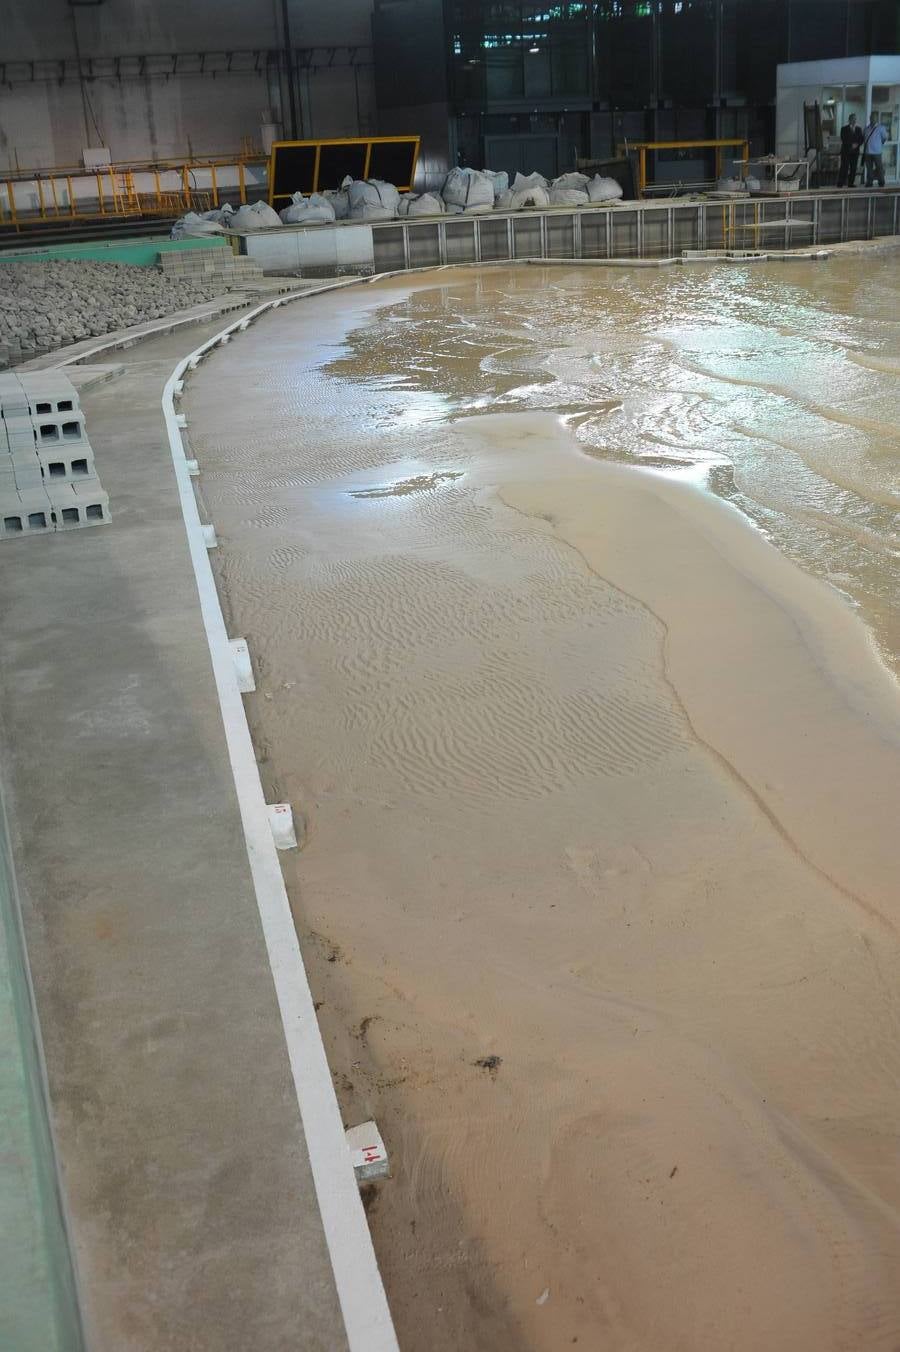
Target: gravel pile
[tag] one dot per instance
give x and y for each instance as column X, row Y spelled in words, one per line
column 46, row 305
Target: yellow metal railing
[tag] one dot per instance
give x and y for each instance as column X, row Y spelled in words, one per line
column 76, row 193
column 719, row 144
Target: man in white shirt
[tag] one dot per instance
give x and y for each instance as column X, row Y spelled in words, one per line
column 874, row 138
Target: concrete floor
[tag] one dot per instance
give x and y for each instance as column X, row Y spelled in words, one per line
column 192, row 1211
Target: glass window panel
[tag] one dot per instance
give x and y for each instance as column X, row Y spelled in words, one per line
column 503, row 73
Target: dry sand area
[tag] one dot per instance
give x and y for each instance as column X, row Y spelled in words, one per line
column 573, row 599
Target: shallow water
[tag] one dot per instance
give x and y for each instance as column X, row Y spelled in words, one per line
column 774, row 386
column 595, row 781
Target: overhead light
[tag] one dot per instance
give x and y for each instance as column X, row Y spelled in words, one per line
column 534, row 50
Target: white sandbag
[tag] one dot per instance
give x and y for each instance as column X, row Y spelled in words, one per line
column 575, row 181
column 190, row 226
column 371, row 199
column 469, row 189
column 314, row 210
column 601, row 189
column 339, row 200
column 319, row 202
column 524, row 182
column 258, row 216
column 731, row 185
column 289, row 214
column 532, row 197
column 513, row 200
column 568, row 197
column 220, row 215
column 499, row 178
column 421, row 204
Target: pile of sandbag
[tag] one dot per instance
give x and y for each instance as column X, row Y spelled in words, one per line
column 421, row 204
column 467, row 190
column 313, row 210
column 530, row 190
column 371, row 199
column 257, row 216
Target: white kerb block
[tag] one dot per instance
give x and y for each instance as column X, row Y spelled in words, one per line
column 368, row 1153
column 281, row 820
column 243, row 668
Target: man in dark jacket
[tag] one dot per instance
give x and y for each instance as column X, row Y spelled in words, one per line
column 851, row 140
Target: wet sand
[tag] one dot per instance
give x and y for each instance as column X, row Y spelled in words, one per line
column 573, row 602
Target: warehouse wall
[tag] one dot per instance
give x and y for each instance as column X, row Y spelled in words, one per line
column 158, row 114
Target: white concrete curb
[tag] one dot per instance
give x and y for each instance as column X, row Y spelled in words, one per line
column 367, row 1319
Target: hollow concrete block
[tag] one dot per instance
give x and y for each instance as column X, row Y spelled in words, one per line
column 29, row 479
column 72, row 510
column 66, row 509
column 26, row 458
column 19, row 432
column 67, row 462
column 59, row 429
column 35, row 512
column 94, row 502
column 12, row 515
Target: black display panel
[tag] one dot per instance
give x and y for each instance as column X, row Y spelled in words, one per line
column 337, row 161
column 394, row 161
column 292, row 170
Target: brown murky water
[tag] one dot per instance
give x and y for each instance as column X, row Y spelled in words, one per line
column 573, row 597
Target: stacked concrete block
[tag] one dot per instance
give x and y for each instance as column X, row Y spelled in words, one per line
column 45, row 305
column 48, row 480
column 217, row 267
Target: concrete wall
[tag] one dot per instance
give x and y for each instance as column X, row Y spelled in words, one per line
column 158, row 115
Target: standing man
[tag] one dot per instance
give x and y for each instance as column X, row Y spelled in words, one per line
column 851, row 140
column 873, row 144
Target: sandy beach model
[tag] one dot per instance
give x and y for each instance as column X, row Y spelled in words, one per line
column 573, row 601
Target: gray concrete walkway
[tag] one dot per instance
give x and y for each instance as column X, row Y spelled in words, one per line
column 192, row 1210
